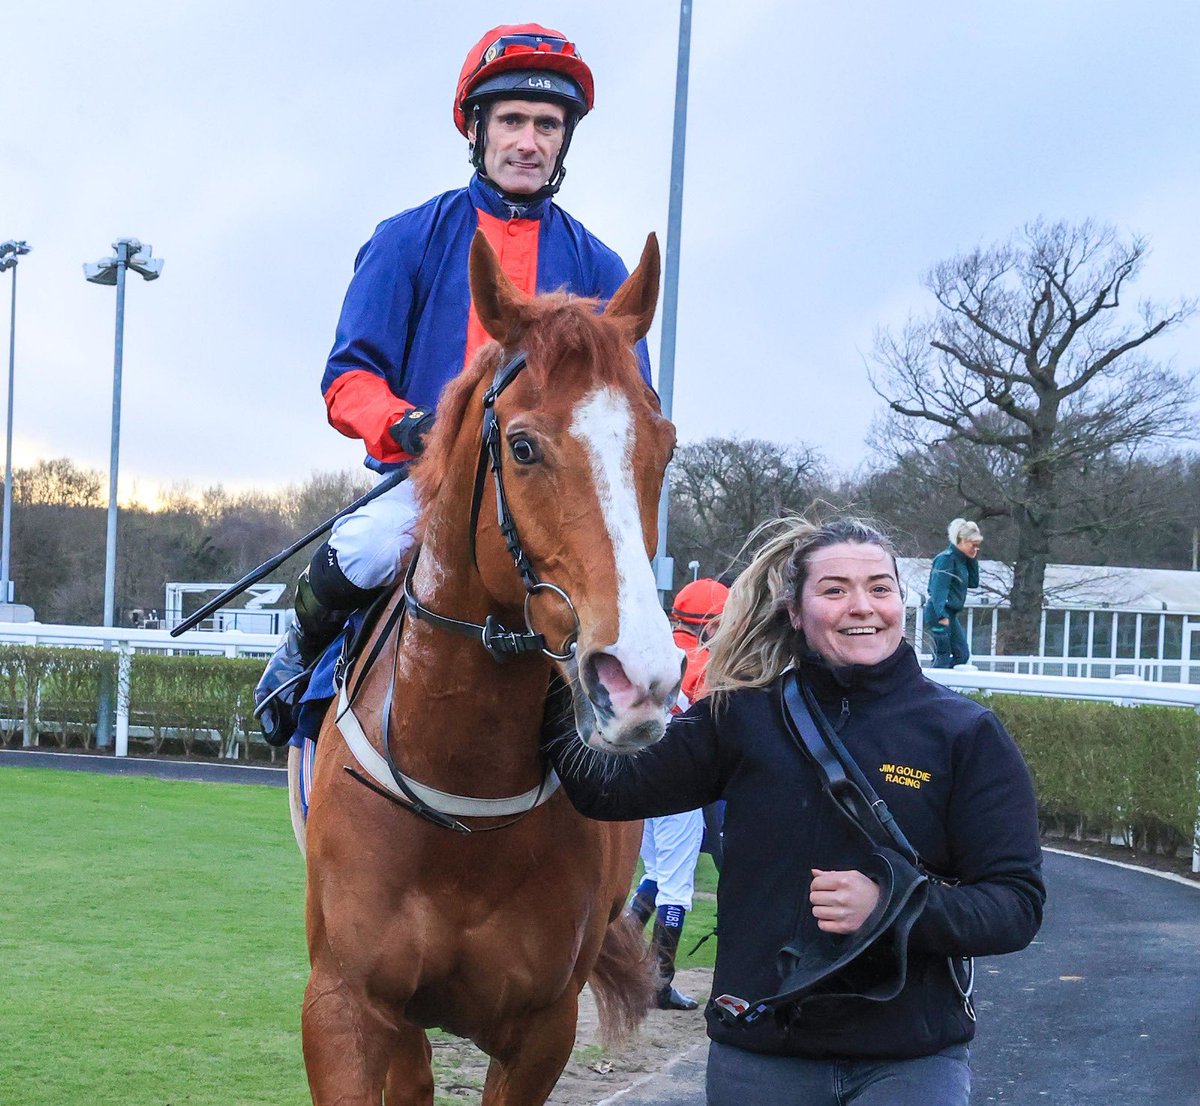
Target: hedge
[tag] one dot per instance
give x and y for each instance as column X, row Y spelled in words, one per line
column 1103, row 769
column 49, row 695
column 1098, row 768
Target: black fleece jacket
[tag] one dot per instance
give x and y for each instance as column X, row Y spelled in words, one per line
column 952, row 777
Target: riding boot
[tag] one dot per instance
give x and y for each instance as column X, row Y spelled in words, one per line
column 668, row 926
column 641, row 906
column 324, row 600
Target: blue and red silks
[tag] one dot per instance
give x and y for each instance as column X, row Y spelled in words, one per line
column 407, row 325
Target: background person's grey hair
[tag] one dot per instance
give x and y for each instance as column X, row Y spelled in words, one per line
column 963, row 529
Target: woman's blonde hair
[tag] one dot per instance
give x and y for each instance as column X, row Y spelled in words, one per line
column 963, row 529
column 755, row 640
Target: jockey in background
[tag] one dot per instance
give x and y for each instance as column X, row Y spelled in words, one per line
column 407, row 326
column 671, row 844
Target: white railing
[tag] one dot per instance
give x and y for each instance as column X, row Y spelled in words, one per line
column 230, row 643
column 1122, row 690
column 1148, row 668
column 126, row 642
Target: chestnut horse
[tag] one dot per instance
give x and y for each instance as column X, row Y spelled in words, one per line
column 417, row 917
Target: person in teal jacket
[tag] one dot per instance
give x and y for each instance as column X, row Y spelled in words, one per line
column 954, row 570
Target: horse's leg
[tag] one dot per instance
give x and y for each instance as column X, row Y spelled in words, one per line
column 347, row 1044
column 529, row 1058
column 410, row 1074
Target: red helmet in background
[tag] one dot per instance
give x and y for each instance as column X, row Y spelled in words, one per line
column 699, row 602
column 523, row 61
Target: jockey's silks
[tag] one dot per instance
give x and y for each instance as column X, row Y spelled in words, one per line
column 407, row 325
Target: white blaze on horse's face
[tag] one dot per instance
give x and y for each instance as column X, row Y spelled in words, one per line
column 632, row 683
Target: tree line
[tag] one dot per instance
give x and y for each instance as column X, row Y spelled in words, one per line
column 721, row 488
column 1024, row 398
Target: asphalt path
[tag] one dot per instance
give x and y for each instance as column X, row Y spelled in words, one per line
column 1103, row 1009
column 204, row 771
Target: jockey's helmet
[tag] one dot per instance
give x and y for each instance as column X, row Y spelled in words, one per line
column 699, row 602
column 522, row 61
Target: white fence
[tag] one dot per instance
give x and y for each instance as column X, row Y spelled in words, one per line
column 230, row 643
column 126, row 642
column 1124, row 690
column 1150, row 644
column 1128, row 689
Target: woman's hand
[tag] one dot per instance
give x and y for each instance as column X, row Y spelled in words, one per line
column 842, row 901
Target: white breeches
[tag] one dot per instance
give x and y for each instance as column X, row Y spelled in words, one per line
column 371, row 542
column 670, row 849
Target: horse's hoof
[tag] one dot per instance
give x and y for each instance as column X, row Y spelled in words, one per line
column 671, row 999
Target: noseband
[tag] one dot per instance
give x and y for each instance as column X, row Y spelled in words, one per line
column 498, row 641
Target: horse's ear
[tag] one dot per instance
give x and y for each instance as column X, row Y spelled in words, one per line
column 498, row 303
column 635, row 300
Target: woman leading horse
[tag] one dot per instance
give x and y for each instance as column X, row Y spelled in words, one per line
column 455, row 886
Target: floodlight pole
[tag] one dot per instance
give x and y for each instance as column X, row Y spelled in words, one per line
column 6, row 541
column 10, row 253
column 665, row 567
column 112, row 270
column 110, row 540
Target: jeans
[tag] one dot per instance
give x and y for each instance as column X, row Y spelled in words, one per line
column 739, row 1078
column 949, row 643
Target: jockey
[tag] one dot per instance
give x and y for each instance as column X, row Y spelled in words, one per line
column 671, row 844
column 407, row 325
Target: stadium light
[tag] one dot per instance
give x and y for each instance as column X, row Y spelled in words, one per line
column 128, row 253
column 10, row 252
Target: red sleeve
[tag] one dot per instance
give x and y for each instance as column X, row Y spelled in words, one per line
column 361, row 405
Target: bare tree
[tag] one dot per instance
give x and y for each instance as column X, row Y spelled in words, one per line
column 1029, row 359
column 722, row 488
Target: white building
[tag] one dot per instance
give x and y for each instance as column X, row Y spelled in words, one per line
column 1096, row 621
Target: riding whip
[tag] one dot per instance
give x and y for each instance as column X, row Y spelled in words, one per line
column 256, row 574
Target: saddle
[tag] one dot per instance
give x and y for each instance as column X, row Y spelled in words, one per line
column 338, row 659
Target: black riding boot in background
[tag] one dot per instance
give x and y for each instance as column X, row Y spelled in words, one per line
column 324, row 600
column 641, row 906
column 668, row 926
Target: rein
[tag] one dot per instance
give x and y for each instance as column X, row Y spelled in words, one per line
column 436, row 806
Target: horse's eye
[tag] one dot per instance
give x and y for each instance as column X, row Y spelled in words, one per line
column 525, row 451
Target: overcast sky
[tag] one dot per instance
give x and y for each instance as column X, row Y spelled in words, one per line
column 834, row 152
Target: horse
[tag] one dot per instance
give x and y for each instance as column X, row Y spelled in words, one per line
column 453, row 885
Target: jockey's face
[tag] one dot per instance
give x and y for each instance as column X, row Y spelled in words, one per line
column 523, row 140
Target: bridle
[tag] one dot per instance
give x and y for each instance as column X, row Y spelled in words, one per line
column 498, row 641
column 383, row 777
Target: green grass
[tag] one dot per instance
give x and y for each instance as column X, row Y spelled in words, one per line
column 151, row 943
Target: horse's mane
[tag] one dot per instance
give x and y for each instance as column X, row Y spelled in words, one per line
column 561, row 334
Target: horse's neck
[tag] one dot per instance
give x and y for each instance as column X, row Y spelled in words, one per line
column 462, row 721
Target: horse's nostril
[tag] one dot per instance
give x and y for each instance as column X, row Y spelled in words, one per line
column 607, row 685
column 609, row 672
